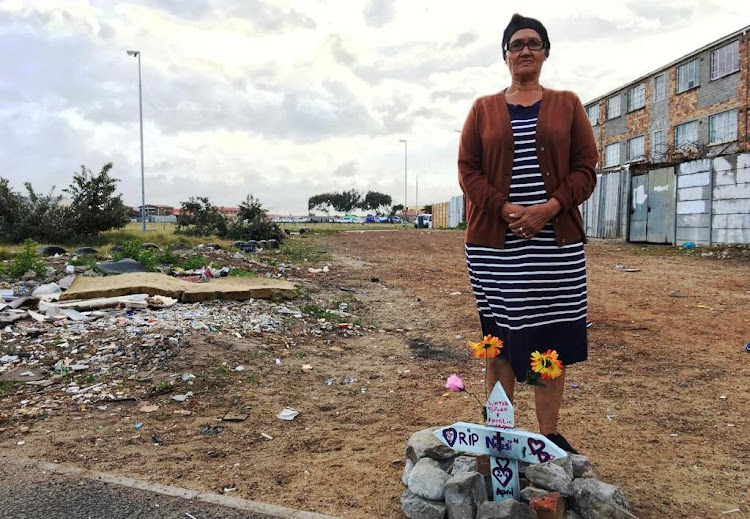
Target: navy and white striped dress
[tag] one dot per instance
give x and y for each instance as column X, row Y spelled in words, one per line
column 531, row 294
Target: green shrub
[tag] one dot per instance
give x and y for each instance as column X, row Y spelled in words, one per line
column 168, row 257
column 26, row 260
column 194, row 262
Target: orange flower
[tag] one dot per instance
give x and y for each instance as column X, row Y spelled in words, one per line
column 547, row 364
column 489, row 346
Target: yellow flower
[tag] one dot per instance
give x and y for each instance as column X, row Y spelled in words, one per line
column 547, row 364
column 489, row 346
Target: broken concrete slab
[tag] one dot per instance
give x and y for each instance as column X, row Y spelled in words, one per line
column 232, row 288
column 24, row 374
column 124, row 266
column 131, row 301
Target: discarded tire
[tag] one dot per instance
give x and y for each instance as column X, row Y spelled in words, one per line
column 51, row 250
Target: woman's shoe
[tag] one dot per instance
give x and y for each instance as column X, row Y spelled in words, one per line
column 560, row 441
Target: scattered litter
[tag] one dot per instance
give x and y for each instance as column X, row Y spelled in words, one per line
column 288, row 414
column 690, row 245
column 278, row 362
column 161, row 301
column 189, row 516
column 267, row 436
column 182, row 398
column 7, row 359
column 747, row 347
column 157, row 439
column 626, row 269
column 455, row 294
column 21, row 443
column 187, row 377
column 183, row 412
column 317, row 271
column 336, row 349
column 610, row 416
column 673, row 435
column 229, row 489
column 345, row 325
column 240, row 368
column 235, row 417
column 306, row 368
column 211, row 430
column 149, row 408
column 349, row 380
column 732, row 511
column 574, row 386
column 137, row 426
column 723, row 397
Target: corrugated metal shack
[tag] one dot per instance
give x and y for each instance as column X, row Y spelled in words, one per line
column 705, row 201
column 448, row 215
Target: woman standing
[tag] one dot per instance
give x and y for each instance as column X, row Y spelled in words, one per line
column 526, row 161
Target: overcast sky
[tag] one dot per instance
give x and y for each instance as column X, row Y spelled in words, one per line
column 288, row 99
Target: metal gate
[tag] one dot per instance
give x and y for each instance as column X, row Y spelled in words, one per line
column 652, row 207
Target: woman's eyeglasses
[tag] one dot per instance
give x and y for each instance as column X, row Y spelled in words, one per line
column 518, row 45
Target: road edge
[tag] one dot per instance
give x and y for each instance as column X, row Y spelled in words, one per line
column 263, row 509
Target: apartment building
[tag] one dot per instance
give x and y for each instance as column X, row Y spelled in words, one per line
column 673, row 151
column 693, row 107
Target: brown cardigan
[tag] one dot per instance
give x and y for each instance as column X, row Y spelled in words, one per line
column 567, row 155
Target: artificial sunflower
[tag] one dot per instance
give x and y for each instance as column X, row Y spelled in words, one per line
column 546, row 364
column 489, row 346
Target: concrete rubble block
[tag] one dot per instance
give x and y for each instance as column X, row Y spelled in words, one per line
column 423, row 444
column 407, row 469
column 51, row 250
column 428, row 480
column 592, row 505
column 582, row 466
column 530, row 492
column 566, row 463
column 508, row 509
column 551, row 506
column 464, row 464
column 235, row 288
column 65, row 282
column 464, row 492
column 551, row 477
column 124, row 266
column 602, row 489
column 415, row 507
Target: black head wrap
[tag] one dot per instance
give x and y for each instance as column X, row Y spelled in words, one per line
column 518, row 22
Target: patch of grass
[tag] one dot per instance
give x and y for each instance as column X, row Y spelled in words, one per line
column 299, row 354
column 194, row 262
column 253, row 378
column 300, row 249
column 89, row 378
column 83, row 261
column 242, row 273
column 319, row 312
column 8, row 349
column 168, row 257
column 6, row 386
column 162, row 387
column 222, row 370
column 4, row 254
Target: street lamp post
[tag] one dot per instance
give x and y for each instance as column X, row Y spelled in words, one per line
column 137, row 53
column 406, row 206
column 416, row 202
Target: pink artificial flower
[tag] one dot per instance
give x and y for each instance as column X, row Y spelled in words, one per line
column 455, row 383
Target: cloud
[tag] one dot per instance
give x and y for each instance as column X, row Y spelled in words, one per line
column 378, row 13
column 349, row 169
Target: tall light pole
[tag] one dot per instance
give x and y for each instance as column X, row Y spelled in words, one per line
column 416, row 202
column 137, row 53
column 406, row 206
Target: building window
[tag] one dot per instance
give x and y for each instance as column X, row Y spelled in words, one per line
column 612, row 155
column 613, row 107
column 688, row 76
column 636, row 148
column 685, row 134
column 658, row 145
column 660, row 88
column 593, row 113
column 637, row 97
column 725, row 60
column 722, row 127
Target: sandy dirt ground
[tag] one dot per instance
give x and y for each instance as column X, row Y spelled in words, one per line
column 661, row 407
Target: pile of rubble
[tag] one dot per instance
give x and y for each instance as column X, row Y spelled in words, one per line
column 442, row 483
column 60, row 353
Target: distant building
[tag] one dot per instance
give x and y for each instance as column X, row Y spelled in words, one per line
column 673, row 151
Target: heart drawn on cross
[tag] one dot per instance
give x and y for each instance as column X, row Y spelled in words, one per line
column 450, row 435
column 537, row 449
column 502, row 473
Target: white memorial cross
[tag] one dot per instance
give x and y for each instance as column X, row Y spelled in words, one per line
column 504, row 444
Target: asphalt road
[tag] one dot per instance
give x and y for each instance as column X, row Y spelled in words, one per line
column 31, row 492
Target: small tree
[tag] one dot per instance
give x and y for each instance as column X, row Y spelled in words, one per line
column 373, row 201
column 321, row 202
column 253, row 223
column 199, row 217
column 427, row 209
column 95, row 207
column 346, row 200
column 12, row 212
column 396, row 208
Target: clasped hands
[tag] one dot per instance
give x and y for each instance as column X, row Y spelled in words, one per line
column 526, row 221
